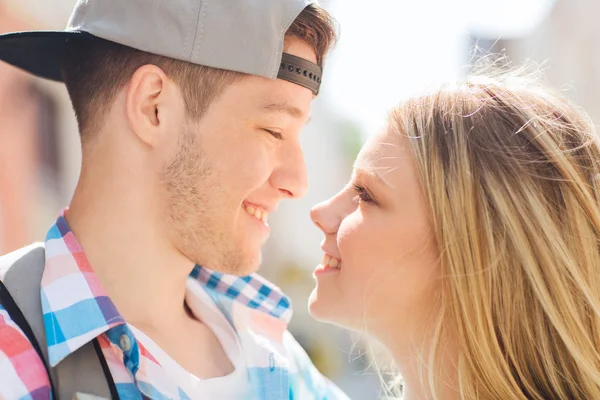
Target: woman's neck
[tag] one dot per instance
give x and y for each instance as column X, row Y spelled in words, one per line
column 418, row 376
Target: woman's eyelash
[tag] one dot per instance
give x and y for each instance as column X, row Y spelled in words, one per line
column 363, row 194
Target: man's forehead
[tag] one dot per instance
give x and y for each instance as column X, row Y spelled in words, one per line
column 264, row 95
column 283, row 98
column 299, row 48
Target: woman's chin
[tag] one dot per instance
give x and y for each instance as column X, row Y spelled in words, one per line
column 318, row 308
column 326, row 309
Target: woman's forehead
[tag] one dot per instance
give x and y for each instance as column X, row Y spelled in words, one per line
column 383, row 156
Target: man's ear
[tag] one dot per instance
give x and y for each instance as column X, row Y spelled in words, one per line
column 143, row 103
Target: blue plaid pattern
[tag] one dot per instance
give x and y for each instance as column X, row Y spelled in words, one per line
column 77, row 309
column 252, row 291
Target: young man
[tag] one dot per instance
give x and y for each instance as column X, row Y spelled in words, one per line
column 190, row 113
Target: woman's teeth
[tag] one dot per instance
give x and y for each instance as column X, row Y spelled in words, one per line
column 332, row 262
column 257, row 213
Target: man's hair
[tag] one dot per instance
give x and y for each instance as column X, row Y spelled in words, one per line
column 94, row 71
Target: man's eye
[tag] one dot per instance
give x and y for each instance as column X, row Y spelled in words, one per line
column 276, row 135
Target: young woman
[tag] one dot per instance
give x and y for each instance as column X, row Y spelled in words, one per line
column 468, row 244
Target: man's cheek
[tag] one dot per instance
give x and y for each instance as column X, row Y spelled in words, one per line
column 255, row 170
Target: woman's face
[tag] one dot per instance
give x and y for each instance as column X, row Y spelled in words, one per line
column 380, row 266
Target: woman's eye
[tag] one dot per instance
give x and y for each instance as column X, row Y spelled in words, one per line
column 363, row 194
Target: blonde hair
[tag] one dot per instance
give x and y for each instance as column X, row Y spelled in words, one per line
column 510, row 173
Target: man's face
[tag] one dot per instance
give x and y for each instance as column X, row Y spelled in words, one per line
column 233, row 167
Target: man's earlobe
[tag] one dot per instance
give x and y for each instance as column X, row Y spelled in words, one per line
column 142, row 102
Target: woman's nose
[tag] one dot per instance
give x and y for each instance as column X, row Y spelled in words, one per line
column 323, row 215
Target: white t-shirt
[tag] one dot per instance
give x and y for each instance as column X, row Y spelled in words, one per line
column 234, row 386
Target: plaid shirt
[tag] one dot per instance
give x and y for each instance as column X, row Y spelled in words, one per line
column 76, row 310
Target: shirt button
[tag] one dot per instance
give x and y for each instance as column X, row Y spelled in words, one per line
column 271, row 362
column 125, row 343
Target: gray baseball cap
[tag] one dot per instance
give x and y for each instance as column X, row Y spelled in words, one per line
column 238, row 35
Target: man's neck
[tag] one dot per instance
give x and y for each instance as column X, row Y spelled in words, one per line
column 121, row 237
column 143, row 275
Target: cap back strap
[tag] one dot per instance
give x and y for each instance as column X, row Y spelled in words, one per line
column 301, row 72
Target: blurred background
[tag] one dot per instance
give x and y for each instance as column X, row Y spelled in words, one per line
column 389, row 49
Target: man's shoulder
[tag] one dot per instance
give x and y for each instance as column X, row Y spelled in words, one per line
column 9, row 259
column 23, row 372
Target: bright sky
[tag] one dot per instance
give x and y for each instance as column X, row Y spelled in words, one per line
column 390, row 49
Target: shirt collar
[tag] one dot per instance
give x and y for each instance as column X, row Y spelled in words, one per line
column 75, row 306
column 252, row 291
column 77, row 309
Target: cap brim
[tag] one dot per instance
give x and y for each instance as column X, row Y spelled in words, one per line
column 38, row 52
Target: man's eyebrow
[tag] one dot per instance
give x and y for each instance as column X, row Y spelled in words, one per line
column 284, row 108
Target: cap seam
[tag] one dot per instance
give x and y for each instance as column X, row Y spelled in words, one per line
column 187, row 37
column 201, row 16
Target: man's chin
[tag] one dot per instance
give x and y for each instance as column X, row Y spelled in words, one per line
column 242, row 266
column 249, row 266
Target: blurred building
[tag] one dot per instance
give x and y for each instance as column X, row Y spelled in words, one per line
column 38, row 138
column 568, row 40
column 19, row 150
column 565, row 45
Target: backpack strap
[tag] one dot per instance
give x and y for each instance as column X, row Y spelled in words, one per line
column 18, row 318
column 24, row 277
column 83, row 371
